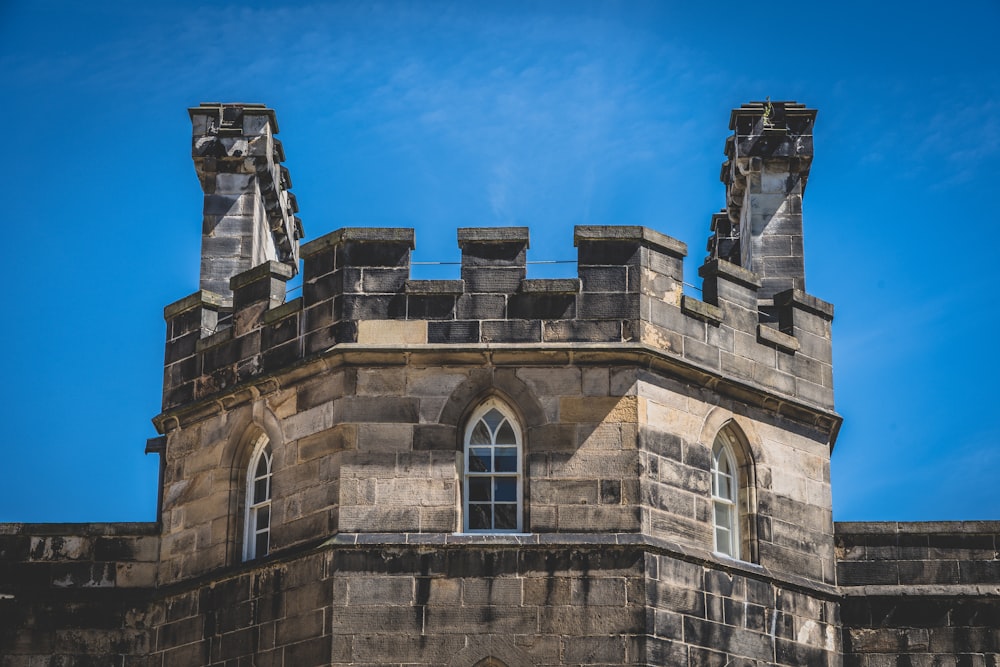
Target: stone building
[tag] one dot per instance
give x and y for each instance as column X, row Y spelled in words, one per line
column 497, row 470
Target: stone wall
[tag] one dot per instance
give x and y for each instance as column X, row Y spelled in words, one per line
column 76, row 593
column 453, row 600
column 703, row 615
column 529, row 601
column 369, row 440
column 393, row 599
column 384, row 604
column 920, row 593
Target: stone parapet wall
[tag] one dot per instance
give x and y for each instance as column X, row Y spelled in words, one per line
column 545, row 601
column 920, row 593
column 79, row 555
column 378, row 599
column 702, row 615
column 76, row 593
column 357, row 290
column 386, row 599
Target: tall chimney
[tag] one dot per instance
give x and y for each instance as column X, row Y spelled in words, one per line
column 768, row 160
column 249, row 215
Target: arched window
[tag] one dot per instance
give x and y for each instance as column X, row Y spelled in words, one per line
column 726, row 496
column 492, row 484
column 257, row 531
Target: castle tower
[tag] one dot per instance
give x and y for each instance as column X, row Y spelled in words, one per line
column 498, row 471
column 492, row 470
column 553, row 460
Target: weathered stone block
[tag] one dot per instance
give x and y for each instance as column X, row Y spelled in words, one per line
column 511, row 331
column 431, row 307
column 608, row 306
column 482, row 306
column 453, row 332
column 492, row 279
column 582, row 331
column 376, row 409
column 542, row 306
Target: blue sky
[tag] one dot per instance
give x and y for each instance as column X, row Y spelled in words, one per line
column 437, row 115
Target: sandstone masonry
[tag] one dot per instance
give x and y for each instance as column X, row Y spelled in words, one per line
column 497, row 470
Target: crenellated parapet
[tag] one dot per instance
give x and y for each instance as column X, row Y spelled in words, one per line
column 249, row 213
column 357, row 292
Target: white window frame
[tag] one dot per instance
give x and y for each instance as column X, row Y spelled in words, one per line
column 254, row 506
column 468, row 475
column 724, row 505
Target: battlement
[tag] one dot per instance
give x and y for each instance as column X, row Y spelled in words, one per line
column 357, row 292
column 755, row 326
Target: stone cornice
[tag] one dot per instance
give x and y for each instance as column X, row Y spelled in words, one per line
column 503, row 354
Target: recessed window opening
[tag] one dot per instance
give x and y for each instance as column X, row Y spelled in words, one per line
column 725, row 497
column 257, row 533
column 490, row 662
column 492, row 482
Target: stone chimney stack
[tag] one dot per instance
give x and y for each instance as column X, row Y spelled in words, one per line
column 249, row 215
column 768, row 159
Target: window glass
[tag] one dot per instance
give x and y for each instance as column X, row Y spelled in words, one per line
column 480, row 435
column 505, row 459
column 492, row 419
column 506, row 489
column 479, row 516
column 479, row 489
column 505, row 517
column 480, row 459
column 505, row 435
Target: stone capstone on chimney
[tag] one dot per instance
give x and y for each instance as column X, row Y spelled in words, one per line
column 249, row 214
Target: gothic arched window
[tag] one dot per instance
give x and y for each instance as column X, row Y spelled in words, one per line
column 493, row 482
column 257, row 530
column 725, row 497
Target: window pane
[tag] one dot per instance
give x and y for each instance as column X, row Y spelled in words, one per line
column 725, row 485
column 479, row 517
column 479, row 488
column 723, row 516
column 506, row 489
column 505, row 436
column 506, row 517
column 261, row 465
column 259, row 491
column 263, row 518
column 724, row 464
column 479, row 459
column 506, row 459
column 480, row 435
column 260, row 545
column 723, row 543
column 493, row 419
